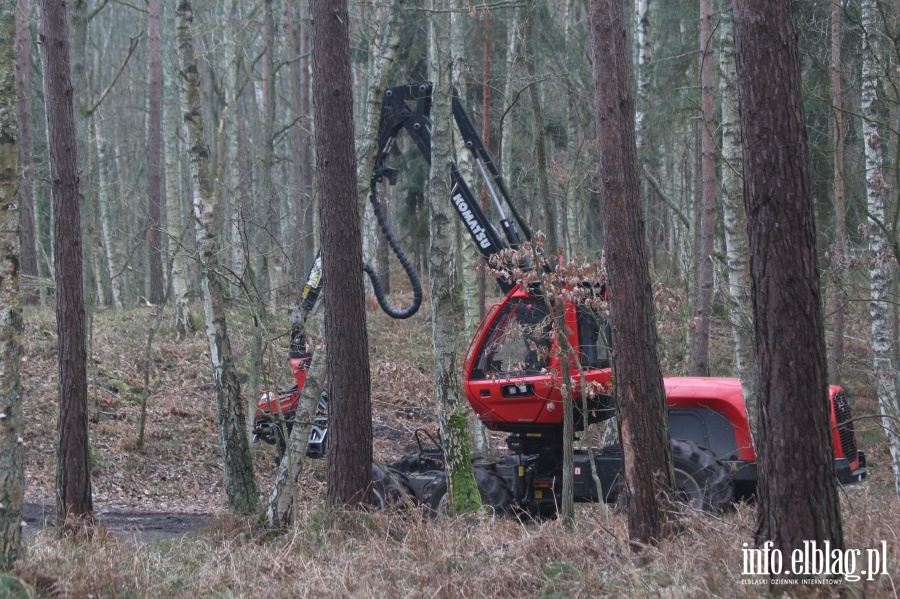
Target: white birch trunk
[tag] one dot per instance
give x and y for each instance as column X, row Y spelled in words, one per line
column 174, row 213
column 882, row 262
column 454, row 432
column 240, row 484
column 740, row 302
column 103, row 186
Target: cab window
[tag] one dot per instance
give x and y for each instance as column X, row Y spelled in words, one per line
column 594, row 339
column 517, row 343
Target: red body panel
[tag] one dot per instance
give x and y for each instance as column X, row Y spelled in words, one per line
column 540, row 402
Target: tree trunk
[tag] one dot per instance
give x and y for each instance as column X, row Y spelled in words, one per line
column 307, row 154
column 640, row 396
column 645, row 55
column 797, row 489
column 548, row 210
column 106, row 227
column 445, row 304
column 175, row 222
column 883, row 264
column 26, row 150
column 78, row 11
column 280, row 512
column 267, row 205
column 839, row 260
column 512, row 57
column 298, row 136
column 240, row 485
column 350, row 407
column 740, row 302
column 154, row 154
column 73, row 475
column 12, row 449
column 703, row 309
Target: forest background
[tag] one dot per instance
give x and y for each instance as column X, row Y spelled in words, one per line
column 524, row 67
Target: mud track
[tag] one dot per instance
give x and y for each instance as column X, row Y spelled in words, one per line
column 126, row 525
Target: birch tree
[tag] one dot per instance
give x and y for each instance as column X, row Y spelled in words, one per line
column 240, row 484
column 445, row 305
column 175, row 221
column 156, row 292
column 882, row 262
column 703, row 309
column 739, row 300
column 12, row 449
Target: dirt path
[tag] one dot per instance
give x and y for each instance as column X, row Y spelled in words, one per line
column 126, row 525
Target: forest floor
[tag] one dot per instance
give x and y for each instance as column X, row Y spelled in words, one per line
column 149, row 496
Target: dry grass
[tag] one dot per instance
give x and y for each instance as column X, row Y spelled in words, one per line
column 341, row 554
column 346, row 554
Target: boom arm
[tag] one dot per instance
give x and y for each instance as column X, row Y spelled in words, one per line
column 408, row 107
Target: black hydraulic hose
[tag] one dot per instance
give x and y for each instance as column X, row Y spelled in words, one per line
column 377, row 287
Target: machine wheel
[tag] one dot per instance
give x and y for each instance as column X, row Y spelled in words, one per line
column 495, row 495
column 702, row 482
column 390, row 488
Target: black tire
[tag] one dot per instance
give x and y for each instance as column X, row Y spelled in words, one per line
column 495, row 494
column 390, row 488
column 702, row 482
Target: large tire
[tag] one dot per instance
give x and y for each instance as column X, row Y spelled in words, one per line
column 495, row 494
column 390, row 488
column 702, row 482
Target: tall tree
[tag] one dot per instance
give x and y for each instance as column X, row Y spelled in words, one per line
column 154, row 156
column 703, row 309
column 797, row 489
column 12, row 449
column 445, row 303
column 882, row 261
column 839, row 257
column 26, row 147
column 350, row 403
column 73, row 475
column 175, row 221
column 740, row 302
column 240, row 484
column 640, row 396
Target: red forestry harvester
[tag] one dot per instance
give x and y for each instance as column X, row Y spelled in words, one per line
column 512, row 373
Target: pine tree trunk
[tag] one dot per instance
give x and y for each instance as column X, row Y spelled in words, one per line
column 445, row 304
column 349, row 392
column 883, row 266
column 797, row 490
column 240, row 485
column 12, row 449
column 640, row 395
column 73, row 478
column 704, row 299
column 26, row 149
column 740, row 302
